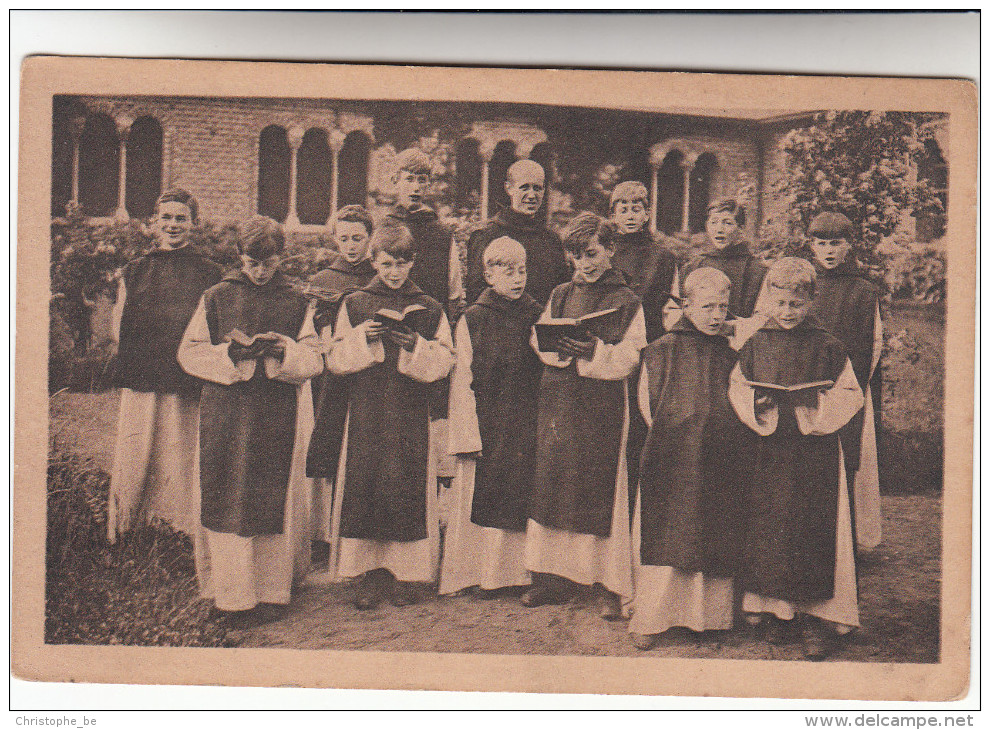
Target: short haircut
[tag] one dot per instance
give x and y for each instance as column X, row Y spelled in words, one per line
column 632, row 191
column 586, row 228
column 728, row 205
column 706, row 277
column 395, row 240
column 178, row 195
column 413, row 160
column 792, row 274
column 520, row 165
column 354, row 214
column 830, row 226
column 504, row 251
column 261, row 237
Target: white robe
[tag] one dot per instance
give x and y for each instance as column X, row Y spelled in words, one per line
column 416, row 560
column 581, row 558
column 238, row 572
column 473, row 555
column 866, row 482
column 835, row 407
column 666, row 596
column 154, row 461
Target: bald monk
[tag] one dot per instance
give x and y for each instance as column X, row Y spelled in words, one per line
column 546, row 266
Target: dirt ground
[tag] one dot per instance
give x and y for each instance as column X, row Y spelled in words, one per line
column 899, row 594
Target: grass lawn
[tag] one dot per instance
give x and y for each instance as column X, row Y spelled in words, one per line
column 145, row 589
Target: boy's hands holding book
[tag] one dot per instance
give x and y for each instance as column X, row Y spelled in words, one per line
column 373, row 330
column 570, row 347
column 405, row 340
column 268, row 344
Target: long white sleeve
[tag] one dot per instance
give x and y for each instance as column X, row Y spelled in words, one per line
column 456, row 280
column 350, row 351
column 117, row 313
column 743, row 400
column 303, row 356
column 464, row 432
column 430, row 360
column 199, row 357
column 617, row 362
column 835, row 406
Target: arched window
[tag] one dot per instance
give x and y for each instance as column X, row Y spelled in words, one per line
column 313, row 178
column 670, row 193
column 502, row 159
column 274, row 160
column 99, row 166
column 63, row 111
column 468, row 164
column 353, row 179
column 701, row 186
column 144, row 167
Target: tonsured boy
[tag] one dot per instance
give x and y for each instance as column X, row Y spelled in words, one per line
column 384, row 525
column 493, row 397
column 579, row 514
column 154, row 461
column 798, row 560
column 257, row 414
column 848, row 306
column 688, row 533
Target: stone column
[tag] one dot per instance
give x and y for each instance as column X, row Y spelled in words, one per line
column 654, row 194
column 76, row 127
column 123, row 122
column 487, row 151
column 295, row 138
column 336, row 140
column 687, row 165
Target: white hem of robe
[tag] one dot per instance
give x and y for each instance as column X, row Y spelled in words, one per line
column 238, row 572
column 413, row 561
column 843, row 607
column 667, row 596
column 589, row 559
column 154, row 462
column 323, row 494
column 474, row 555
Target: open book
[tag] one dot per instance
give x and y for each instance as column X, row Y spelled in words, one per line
column 549, row 332
column 791, row 388
column 257, row 346
column 404, row 321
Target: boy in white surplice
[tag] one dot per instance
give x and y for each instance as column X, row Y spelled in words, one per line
column 252, row 340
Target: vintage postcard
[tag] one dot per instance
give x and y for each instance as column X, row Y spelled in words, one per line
column 494, row 379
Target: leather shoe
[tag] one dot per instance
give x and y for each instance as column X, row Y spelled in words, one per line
column 404, row 594
column 539, row 596
column 816, row 640
column 644, row 642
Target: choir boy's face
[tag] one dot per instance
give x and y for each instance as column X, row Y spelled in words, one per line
column 173, row 224
column 722, row 229
column 630, row 215
column 352, row 239
column 525, row 188
column 391, row 270
column 830, row 252
column 509, row 279
column 260, row 271
column 592, row 262
column 410, row 189
column 707, row 309
column 788, row 308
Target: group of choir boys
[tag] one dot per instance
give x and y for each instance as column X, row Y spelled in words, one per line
column 700, row 449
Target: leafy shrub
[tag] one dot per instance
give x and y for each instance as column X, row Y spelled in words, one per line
column 140, row 591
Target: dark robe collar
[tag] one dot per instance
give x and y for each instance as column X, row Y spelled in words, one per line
column 515, row 220
column 361, row 268
column 187, row 249
column 423, row 214
column 739, row 249
column 521, row 308
column 810, row 323
column 611, row 277
column 631, row 240
column 379, row 287
column 685, row 325
column 278, row 281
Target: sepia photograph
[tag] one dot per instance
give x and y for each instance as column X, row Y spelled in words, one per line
column 413, row 370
